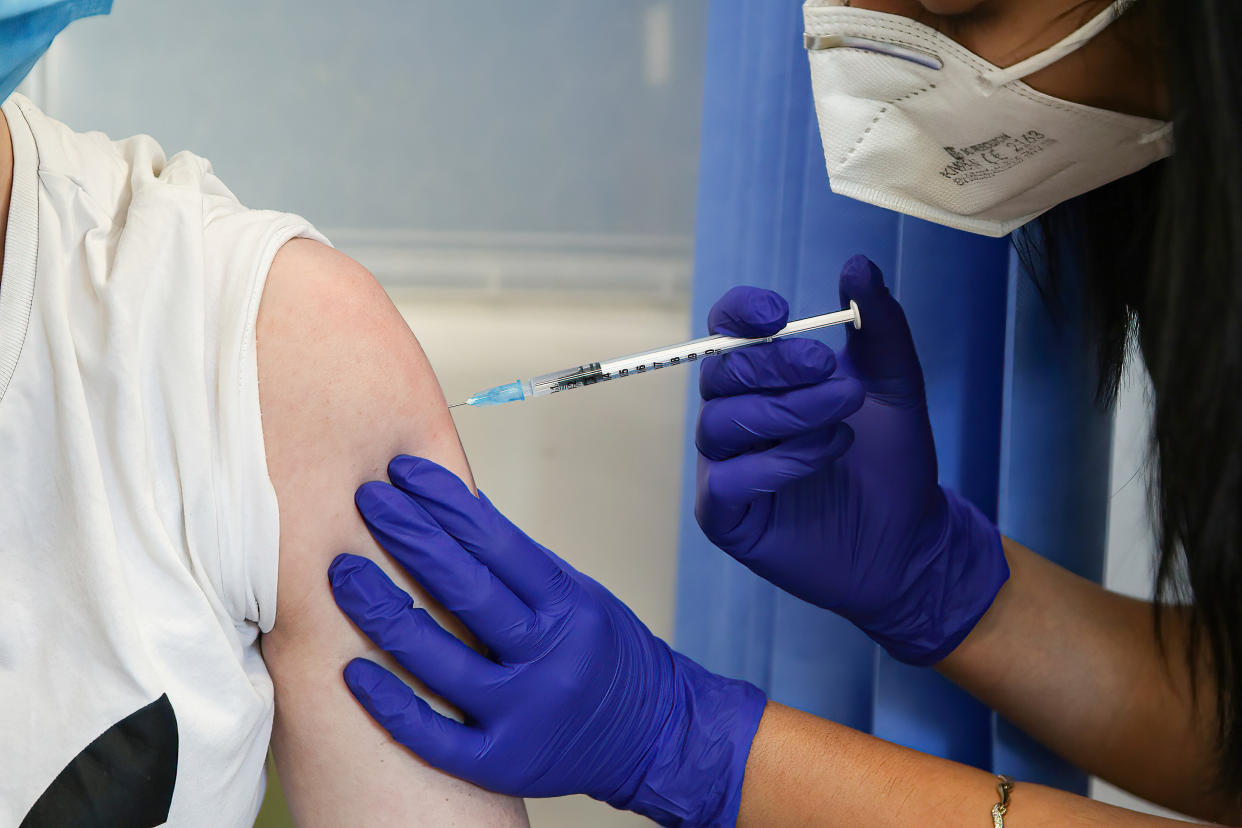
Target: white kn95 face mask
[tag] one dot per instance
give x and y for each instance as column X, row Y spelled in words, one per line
column 912, row 121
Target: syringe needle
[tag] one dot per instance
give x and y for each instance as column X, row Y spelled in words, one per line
column 455, row 405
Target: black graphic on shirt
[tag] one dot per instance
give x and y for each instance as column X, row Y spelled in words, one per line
column 123, row 779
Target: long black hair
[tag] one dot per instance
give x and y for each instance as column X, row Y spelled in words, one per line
column 1161, row 257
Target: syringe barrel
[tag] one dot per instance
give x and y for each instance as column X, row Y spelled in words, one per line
column 635, row 364
column 568, row 379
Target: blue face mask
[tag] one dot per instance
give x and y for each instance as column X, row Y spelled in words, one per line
column 27, row 28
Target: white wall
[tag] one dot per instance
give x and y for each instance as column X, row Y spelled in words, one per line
column 407, row 121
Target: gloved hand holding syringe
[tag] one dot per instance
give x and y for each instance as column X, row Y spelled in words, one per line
column 641, row 363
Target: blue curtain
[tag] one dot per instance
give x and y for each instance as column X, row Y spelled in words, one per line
column 1010, row 393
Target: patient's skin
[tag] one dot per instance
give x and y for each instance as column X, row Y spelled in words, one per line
column 344, row 387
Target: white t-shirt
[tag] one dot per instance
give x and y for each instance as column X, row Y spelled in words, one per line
column 137, row 521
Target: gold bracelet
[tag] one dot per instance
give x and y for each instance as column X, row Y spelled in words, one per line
column 1003, row 787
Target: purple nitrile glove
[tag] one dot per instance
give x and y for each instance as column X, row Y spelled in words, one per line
column 576, row 695
column 848, row 516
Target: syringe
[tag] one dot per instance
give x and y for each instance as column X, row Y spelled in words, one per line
column 647, row 361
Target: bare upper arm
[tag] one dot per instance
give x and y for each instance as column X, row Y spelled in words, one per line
column 343, row 387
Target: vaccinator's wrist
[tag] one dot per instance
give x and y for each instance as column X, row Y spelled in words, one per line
column 693, row 776
column 957, row 581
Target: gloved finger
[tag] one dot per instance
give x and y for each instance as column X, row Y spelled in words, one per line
column 881, row 353
column 772, row 366
column 533, row 573
column 385, row 613
column 727, row 487
column 748, row 312
column 444, row 743
column 453, row 576
column 729, row 426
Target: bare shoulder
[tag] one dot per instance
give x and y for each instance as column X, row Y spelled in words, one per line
column 343, row 386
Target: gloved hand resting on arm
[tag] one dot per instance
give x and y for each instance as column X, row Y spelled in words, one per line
column 846, row 516
column 576, row 695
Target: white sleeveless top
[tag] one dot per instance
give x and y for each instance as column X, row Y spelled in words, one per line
column 138, row 526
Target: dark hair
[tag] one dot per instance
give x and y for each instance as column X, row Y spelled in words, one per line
column 1161, row 257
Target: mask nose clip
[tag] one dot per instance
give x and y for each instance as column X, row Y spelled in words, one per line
column 820, row 43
